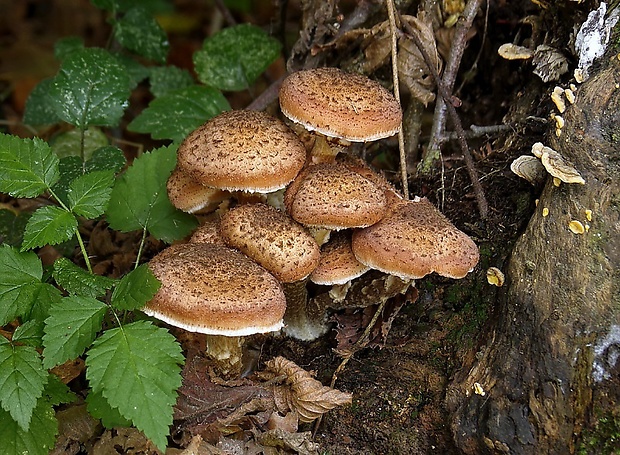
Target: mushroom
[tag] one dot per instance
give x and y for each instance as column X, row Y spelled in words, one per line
column 511, row 51
column 413, row 240
column 190, row 196
column 556, row 165
column 340, row 105
column 530, row 168
column 218, row 291
column 242, row 150
column 208, row 232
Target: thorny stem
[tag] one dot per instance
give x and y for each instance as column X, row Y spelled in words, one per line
column 401, row 136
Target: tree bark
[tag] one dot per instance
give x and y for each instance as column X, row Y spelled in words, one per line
column 549, row 367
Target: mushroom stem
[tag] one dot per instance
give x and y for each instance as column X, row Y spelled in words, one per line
column 226, row 353
column 304, row 319
column 324, row 150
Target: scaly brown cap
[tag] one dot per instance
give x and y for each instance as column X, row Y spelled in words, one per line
column 190, row 196
column 338, row 264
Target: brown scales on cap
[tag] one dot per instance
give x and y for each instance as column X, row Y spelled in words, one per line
column 413, row 240
column 338, row 264
column 242, row 151
column 272, row 239
column 215, row 290
column 339, row 104
column 190, row 196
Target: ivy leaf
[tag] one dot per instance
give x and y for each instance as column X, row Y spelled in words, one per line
column 135, row 289
column 70, row 143
column 17, row 441
column 21, row 274
column 106, row 158
column 49, row 225
column 233, row 58
column 75, row 280
column 164, row 79
column 72, row 326
column 136, row 368
column 139, row 199
column 30, row 333
column 28, row 167
column 175, row 114
column 22, row 379
column 89, row 194
column 91, row 88
column 139, row 32
column 40, row 105
column 100, row 409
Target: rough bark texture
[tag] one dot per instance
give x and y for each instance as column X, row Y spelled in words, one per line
column 548, row 367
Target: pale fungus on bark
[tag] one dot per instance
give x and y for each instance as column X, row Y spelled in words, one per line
column 529, row 168
column 556, row 165
column 495, row 276
column 557, row 98
column 510, row 51
column 576, row 227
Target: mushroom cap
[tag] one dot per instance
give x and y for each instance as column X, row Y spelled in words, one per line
column 242, row 151
column 190, row 196
column 338, row 104
column 208, row 232
column 332, row 196
column 413, row 240
column 271, row 238
column 215, row 290
column 338, row 264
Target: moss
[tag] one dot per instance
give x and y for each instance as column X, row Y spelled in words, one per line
column 603, row 439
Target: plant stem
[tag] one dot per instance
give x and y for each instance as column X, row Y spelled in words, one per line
column 140, row 249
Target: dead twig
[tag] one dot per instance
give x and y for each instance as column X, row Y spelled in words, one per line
column 267, row 97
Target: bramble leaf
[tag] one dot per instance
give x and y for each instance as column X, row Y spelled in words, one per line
column 139, row 199
column 75, row 280
column 40, row 105
column 164, row 79
column 135, row 289
column 57, row 392
column 136, row 368
column 49, row 225
column 28, row 167
column 21, row 274
column 70, row 143
column 67, row 46
column 177, row 113
column 139, row 32
column 17, row 441
column 233, row 58
column 12, row 225
column 91, row 88
column 72, row 326
column 44, row 296
column 106, row 158
column 22, row 379
column 89, row 194
column 30, row 333
column 100, row 409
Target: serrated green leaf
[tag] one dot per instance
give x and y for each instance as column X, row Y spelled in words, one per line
column 67, row 46
column 139, row 32
column 136, row 368
column 22, row 379
column 17, row 441
column 12, row 225
column 75, row 280
column 40, row 105
column 71, row 327
column 233, row 58
column 44, row 296
column 106, row 158
column 27, row 166
column 29, row 333
column 99, row 408
column 57, row 392
column 135, row 289
column 21, row 275
column 70, row 143
column 70, row 168
column 164, row 79
column 136, row 71
column 89, row 194
column 139, row 199
column 49, row 225
column 91, row 88
column 179, row 112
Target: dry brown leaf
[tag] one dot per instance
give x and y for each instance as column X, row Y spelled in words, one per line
column 300, row 443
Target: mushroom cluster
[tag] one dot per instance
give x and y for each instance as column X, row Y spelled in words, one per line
column 247, row 267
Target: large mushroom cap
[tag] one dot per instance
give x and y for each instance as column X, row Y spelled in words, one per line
column 271, row 238
column 339, row 104
column 242, row 151
column 332, row 196
column 413, row 240
column 215, row 290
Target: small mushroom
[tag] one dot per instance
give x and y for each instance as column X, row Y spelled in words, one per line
column 530, row 168
column 556, row 165
column 511, row 51
column 190, row 196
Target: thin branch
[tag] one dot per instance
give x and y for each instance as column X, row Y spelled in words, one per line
column 477, row 131
column 267, row 97
column 228, row 17
column 401, row 136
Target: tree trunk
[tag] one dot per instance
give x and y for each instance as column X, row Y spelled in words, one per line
column 549, row 369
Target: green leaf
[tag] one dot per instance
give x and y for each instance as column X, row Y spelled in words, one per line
column 106, row 158
column 44, row 296
column 164, row 79
column 49, row 225
column 22, row 379
column 70, row 167
column 69, row 143
column 57, row 392
column 139, row 32
column 27, row 166
column 12, row 225
column 233, row 58
column 67, row 46
column 135, row 289
column 75, row 280
column 91, row 88
column 100, row 409
column 17, row 441
column 89, row 194
column 40, row 105
column 153, row 6
column 139, row 199
column 175, row 114
column 30, row 333
column 136, row 368
column 72, row 326
column 21, row 275
column 136, row 71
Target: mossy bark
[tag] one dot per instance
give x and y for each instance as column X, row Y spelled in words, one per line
column 550, row 363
